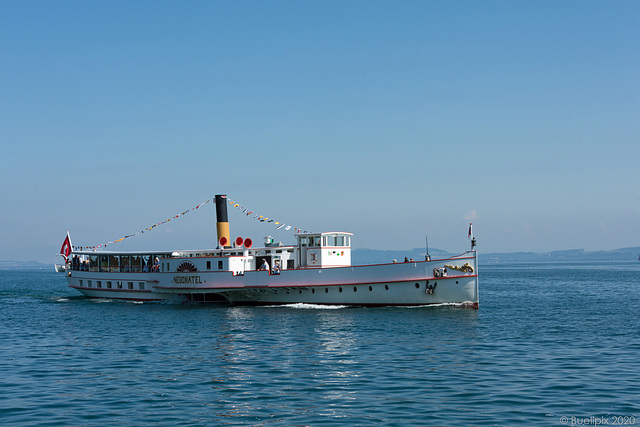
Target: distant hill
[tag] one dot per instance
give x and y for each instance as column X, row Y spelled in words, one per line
column 23, row 265
column 623, row 254
column 374, row 256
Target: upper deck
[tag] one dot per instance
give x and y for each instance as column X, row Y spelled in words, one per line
column 313, row 250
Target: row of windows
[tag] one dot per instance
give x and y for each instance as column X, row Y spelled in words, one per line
column 164, row 266
column 116, row 263
column 138, row 263
column 109, row 285
column 355, row 288
column 339, row 241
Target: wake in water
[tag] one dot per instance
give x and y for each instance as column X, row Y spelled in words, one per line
column 311, row 306
column 306, row 306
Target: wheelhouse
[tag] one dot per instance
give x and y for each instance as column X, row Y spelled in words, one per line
column 329, row 249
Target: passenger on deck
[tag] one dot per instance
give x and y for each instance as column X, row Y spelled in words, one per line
column 265, row 265
column 156, row 266
column 276, row 267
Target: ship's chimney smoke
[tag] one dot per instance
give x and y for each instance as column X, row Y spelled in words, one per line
column 222, row 226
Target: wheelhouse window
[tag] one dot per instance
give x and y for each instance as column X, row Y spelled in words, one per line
column 336, row 240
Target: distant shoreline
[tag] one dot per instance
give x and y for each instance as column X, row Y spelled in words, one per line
column 369, row 256
column 377, row 256
column 24, row 265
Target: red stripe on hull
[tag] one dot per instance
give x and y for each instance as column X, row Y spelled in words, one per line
column 312, row 284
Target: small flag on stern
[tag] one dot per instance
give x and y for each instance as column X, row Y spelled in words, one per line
column 65, row 250
column 470, row 232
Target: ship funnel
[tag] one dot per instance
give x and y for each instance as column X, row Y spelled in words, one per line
column 222, row 224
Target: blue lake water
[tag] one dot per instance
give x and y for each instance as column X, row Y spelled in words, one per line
column 551, row 344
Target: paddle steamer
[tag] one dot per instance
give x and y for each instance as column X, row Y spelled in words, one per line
column 316, row 269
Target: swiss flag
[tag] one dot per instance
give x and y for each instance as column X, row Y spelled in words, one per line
column 65, row 250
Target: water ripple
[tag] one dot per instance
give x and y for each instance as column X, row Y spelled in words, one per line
column 548, row 341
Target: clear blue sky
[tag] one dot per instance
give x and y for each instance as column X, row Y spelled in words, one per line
column 390, row 120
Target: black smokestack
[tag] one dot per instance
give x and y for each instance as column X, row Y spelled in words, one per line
column 222, row 225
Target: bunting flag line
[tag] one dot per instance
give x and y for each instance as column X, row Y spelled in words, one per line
column 142, row 231
column 261, row 218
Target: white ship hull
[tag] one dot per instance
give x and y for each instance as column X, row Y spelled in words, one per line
column 411, row 283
